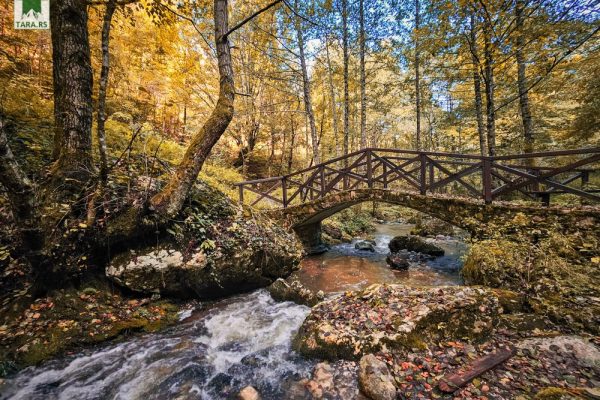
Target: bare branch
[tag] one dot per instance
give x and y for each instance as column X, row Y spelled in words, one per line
column 249, row 18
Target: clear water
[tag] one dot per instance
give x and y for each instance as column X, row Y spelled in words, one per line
column 214, row 352
column 345, row 268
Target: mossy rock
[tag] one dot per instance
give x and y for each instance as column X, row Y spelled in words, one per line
column 396, row 316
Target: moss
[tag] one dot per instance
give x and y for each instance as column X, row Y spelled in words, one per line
column 554, row 393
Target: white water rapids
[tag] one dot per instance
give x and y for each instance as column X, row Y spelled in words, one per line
column 241, row 341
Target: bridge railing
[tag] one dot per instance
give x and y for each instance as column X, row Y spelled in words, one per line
column 532, row 176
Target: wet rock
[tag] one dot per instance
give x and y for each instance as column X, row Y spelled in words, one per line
column 432, row 227
column 240, row 253
column 414, row 243
column 584, row 351
column 365, row 245
column 397, row 261
column 375, row 379
column 396, row 316
column 282, row 290
column 248, row 393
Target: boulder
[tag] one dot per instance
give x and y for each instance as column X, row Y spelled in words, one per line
column 375, row 379
column 414, row 243
column 432, row 227
column 248, row 393
column 397, row 261
column 365, row 245
column 239, row 252
column 396, row 316
column 282, row 290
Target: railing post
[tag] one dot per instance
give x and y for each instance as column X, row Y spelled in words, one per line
column 486, row 179
column 241, row 191
column 322, row 172
column 423, row 173
column 385, row 180
column 431, row 175
column 284, row 191
column 585, row 177
column 369, row 170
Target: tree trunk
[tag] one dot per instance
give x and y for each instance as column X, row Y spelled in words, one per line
column 363, row 93
column 489, row 90
column 293, row 137
column 169, row 201
column 307, row 94
column 477, row 88
column 346, row 95
column 110, row 10
column 73, row 97
column 528, row 134
column 333, row 103
column 417, row 73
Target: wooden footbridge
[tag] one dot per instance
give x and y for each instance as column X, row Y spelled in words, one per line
column 532, row 176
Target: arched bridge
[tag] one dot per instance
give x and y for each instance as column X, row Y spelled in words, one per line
column 483, row 195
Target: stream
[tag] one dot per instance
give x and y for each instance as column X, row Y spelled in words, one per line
column 219, row 349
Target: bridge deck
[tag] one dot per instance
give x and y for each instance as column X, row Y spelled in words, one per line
column 532, row 176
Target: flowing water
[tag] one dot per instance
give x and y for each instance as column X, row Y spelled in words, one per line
column 216, row 351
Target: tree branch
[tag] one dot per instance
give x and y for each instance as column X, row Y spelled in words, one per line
column 249, row 18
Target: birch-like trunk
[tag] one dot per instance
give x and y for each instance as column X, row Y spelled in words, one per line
column 110, row 10
column 334, row 120
column 306, row 90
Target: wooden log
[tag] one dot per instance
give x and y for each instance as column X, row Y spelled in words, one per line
column 455, row 380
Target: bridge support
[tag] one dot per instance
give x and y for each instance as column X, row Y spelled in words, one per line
column 310, row 236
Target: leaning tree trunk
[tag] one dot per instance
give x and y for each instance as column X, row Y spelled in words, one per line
column 110, row 10
column 528, row 134
column 477, row 88
column 73, row 97
column 306, row 91
column 363, row 92
column 169, row 201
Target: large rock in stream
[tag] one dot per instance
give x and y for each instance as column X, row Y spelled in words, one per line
column 383, row 317
column 416, row 244
column 214, row 249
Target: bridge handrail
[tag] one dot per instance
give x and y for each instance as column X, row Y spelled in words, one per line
column 553, row 153
column 422, row 177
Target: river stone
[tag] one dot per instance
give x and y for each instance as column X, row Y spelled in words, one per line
column 375, row 379
column 396, row 316
column 365, row 245
column 240, row 252
column 432, row 227
column 414, row 243
column 283, row 290
column 397, row 261
column 248, row 393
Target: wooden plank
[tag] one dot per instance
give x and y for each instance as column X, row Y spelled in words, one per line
column 455, row 380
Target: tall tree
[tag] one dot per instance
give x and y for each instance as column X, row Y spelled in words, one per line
column 73, row 92
column 102, row 88
column 477, row 84
column 334, row 119
column 306, row 88
column 417, row 73
column 345, row 61
column 528, row 134
column 489, row 86
column 363, row 79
